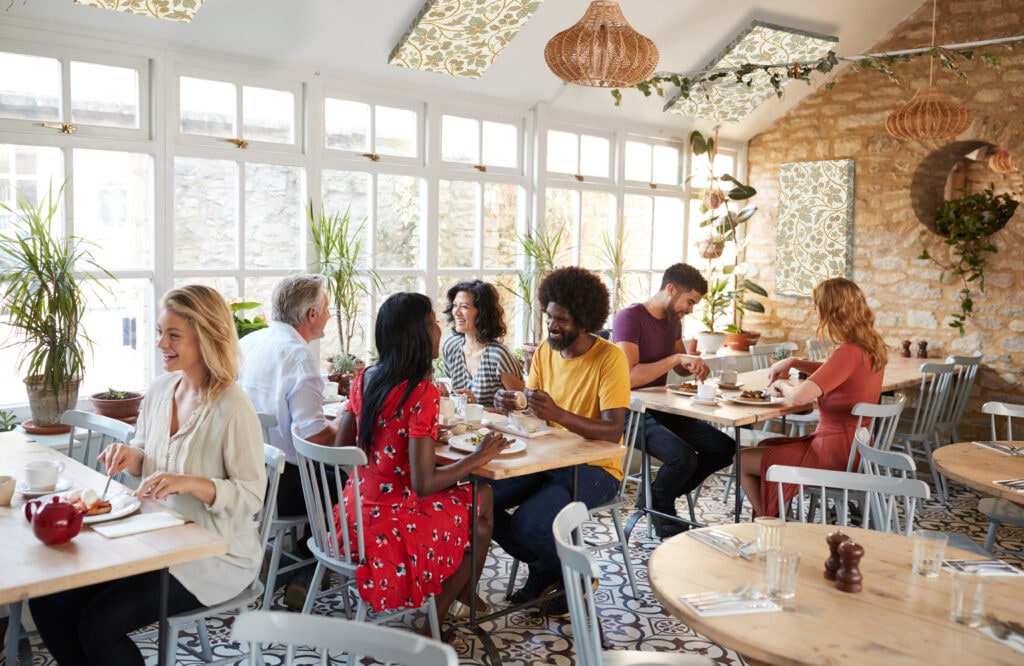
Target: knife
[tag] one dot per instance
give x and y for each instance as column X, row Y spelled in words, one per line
column 106, row 487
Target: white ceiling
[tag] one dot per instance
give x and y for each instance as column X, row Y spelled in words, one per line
column 355, row 37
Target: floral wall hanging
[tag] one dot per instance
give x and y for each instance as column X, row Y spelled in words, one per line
column 172, row 10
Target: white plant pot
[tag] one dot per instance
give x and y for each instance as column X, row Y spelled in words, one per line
column 710, row 343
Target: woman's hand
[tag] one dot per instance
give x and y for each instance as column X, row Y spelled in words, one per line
column 492, row 444
column 159, row 485
column 780, row 369
column 120, row 457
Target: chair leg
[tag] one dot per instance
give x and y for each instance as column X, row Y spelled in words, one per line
column 435, row 625
column 940, row 486
column 314, row 587
column 624, row 549
column 19, row 649
column 170, row 648
column 512, row 573
column 204, row 640
column 275, row 561
column 990, row 538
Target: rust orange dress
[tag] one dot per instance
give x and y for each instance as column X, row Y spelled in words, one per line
column 845, row 379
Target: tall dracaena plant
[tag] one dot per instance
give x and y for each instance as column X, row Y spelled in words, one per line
column 614, row 257
column 338, row 242
column 43, row 279
column 541, row 253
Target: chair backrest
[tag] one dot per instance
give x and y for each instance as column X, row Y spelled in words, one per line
column 892, row 464
column 100, row 432
column 267, row 422
column 825, row 483
column 323, row 634
column 579, row 568
column 1006, row 409
column 964, row 372
column 319, row 468
column 883, row 417
column 934, row 388
column 819, row 350
column 634, row 428
column 761, row 355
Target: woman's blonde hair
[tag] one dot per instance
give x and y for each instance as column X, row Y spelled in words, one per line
column 210, row 318
column 844, row 316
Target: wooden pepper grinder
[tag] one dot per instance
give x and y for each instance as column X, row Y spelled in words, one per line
column 848, row 577
column 905, row 353
column 922, row 349
column 832, row 563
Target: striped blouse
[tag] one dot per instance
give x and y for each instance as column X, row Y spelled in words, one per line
column 495, row 360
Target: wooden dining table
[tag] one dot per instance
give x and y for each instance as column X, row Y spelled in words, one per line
column 31, row 568
column 980, row 467
column 898, row 617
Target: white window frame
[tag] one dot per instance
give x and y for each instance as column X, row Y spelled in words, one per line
column 580, row 131
column 373, row 101
column 518, row 121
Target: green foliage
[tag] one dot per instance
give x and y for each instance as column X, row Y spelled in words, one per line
column 8, row 420
column 43, row 279
column 725, row 290
column 722, row 219
column 345, row 363
column 541, row 254
column 614, row 257
column 338, row 242
column 114, row 394
column 245, row 326
column 968, row 222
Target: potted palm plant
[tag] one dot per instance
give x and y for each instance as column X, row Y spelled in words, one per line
column 43, row 278
column 540, row 252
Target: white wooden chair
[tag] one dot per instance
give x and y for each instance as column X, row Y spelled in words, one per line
column 819, row 350
column 918, row 426
column 965, row 369
column 332, row 544
column 761, row 355
column 579, row 571
column 280, row 527
column 384, row 644
column 999, row 511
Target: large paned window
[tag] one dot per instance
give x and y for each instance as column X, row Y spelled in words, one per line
column 370, row 129
column 237, row 111
column 584, row 155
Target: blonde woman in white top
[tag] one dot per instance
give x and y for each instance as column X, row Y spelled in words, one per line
column 198, row 449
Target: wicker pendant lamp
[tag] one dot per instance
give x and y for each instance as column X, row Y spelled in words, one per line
column 602, row 50
column 1002, row 162
column 929, row 114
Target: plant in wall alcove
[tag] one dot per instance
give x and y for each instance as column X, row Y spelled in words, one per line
column 968, row 223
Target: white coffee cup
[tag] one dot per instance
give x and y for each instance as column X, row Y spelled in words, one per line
column 729, row 377
column 706, row 391
column 43, row 474
column 7, row 484
column 474, row 412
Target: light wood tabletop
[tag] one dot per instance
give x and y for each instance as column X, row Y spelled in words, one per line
column 898, row 618
column 978, row 467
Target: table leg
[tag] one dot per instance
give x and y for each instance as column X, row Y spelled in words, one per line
column 736, row 472
column 163, row 628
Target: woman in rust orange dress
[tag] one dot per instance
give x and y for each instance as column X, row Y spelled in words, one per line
column 852, row 374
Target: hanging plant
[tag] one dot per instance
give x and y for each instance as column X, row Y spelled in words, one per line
column 968, row 222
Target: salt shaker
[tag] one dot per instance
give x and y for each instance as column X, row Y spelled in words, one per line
column 848, row 576
column 922, row 349
column 832, row 563
column 905, row 352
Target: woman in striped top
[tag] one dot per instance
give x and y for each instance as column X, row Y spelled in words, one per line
column 474, row 357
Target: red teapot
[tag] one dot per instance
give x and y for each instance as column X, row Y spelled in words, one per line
column 54, row 522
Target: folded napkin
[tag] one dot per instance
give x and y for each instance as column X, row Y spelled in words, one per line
column 983, row 567
column 1001, row 447
column 140, row 522
column 728, row 604
column 1014, row 641
column 1016, row 485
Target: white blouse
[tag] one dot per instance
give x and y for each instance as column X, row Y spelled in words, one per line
column 222, row 441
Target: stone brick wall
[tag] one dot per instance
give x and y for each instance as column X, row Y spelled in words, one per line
column 894, row 187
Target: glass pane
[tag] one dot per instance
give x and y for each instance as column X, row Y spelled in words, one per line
column 268, row 115
column 563, row 152
column 401, row 209
column 121, row 325
column 396, row 132
column 205, row 213
column 10, row 391
column 208, row 108
column 460, row 140
column 595, row 156
column 273, row 216
column 29, row 88
column 598, row 219
column 636, row 216
column 225, row 285
column 349, row 191
column 458, row 216
column 666, row 165
column 104, row 95
column 502, row 211
column 668, row 233
column 694, row 234
column 114, row 206
column 638, row 161
column 28, row 171
column 346, row 125
column 562, row 212
column 501, row 143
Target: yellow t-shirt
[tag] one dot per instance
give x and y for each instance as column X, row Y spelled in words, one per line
column 585, row 385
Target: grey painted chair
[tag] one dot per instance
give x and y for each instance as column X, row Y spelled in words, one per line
column 964, row 372
column 917, row 432
column 999, row 511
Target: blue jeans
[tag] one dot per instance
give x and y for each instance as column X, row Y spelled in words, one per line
column 526, row 534
column 689, row 451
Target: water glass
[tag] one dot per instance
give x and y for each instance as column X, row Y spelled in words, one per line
column 446, row 410
column 967, row 603
column 459, row 400
column 782, row 568
column 929, row 547
column 769, row 535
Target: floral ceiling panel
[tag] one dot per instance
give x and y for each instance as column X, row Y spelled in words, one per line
column 815, row 228
column 461, row 37
column 728, row 100
column 172, row 10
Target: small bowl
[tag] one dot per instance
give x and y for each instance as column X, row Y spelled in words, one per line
column 526, row 422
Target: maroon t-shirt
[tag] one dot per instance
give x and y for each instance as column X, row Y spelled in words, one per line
column 655, row 338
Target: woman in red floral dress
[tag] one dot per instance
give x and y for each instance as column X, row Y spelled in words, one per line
column 416, row 520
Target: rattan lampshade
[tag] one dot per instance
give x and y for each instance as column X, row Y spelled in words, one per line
column 1002, row 162
column 928, row 115
column 602, row 50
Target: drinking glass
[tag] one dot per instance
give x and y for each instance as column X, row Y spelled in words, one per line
column 967, row 602
column 769, row 535
column 782, row 568
column 929, row 547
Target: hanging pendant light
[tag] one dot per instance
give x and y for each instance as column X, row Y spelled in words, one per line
column 1002, row 162
column 602, row 50
column 929, row 114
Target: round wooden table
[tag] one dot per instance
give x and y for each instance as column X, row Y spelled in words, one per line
column 977, row 467
column 898, row 618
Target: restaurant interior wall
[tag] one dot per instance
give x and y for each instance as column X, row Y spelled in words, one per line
column 910, row 299
column 229, row 234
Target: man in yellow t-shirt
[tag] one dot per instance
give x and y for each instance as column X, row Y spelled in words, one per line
column 580, row 382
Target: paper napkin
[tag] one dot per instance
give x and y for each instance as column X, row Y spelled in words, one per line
column 141, row 522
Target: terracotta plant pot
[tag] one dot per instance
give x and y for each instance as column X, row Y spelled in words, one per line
column 711, row 249
column 742, row 341
column 123, row 409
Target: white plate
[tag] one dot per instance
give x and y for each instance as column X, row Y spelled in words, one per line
column 706, row 403
column 62, row 485
column 735, row 397
column 677, row 389
column 468, row 444
column 120, row 506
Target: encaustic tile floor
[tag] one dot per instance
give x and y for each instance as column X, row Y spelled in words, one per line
column 526, row 637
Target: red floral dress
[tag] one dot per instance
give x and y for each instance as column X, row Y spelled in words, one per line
column 413, row 543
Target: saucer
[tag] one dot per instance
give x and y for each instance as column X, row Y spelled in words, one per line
column 706, row 403
column 730, row 387
column 62, row 485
